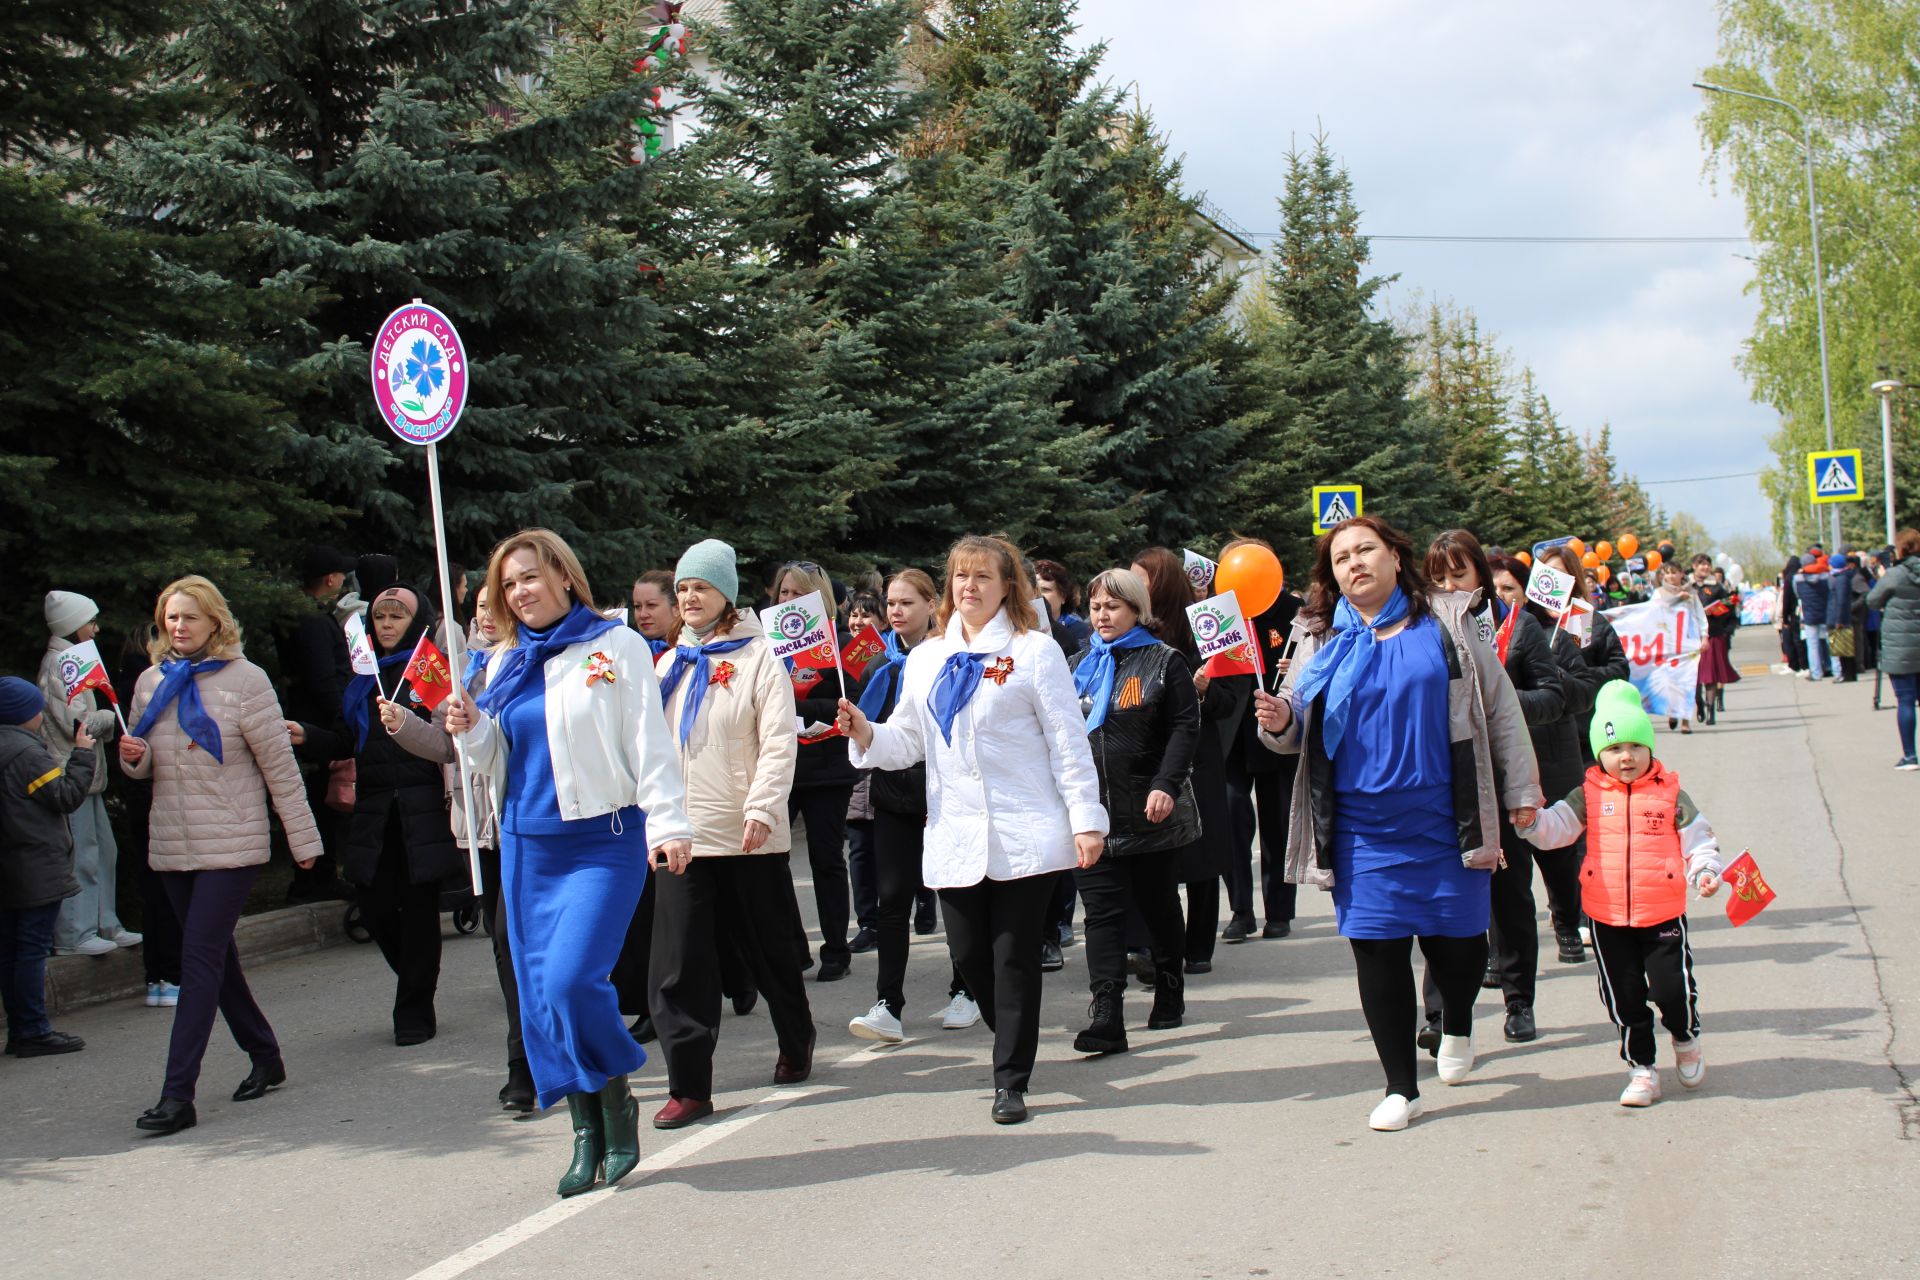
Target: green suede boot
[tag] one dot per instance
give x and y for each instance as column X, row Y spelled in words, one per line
column 620, row 1122
column 589, row 1144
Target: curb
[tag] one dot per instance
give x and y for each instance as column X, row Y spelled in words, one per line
column 75, row 982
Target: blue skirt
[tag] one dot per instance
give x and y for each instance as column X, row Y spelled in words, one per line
column 1397, row 871
column 570, row 899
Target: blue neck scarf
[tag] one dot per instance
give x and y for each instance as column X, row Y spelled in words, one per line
column 525, row 663
column 477, row 660
column 1094, row 675
column 693, row 658
column 658, row 646
column 353, row 703
column 954, row 688
column 884, row 678
column 177, row 685
column 1339, row 665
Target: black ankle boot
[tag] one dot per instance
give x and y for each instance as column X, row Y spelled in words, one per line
column 169, row 1115
column 1169, row 1001
column 620, row 1128
column 589, row 1144
column 1107, row 1033
column 518, row 1094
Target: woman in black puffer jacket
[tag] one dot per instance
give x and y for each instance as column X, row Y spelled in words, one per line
column 1143, row 724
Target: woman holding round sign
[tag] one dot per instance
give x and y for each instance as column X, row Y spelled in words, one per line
column 1412, row 743
column 571, row 734
column 1013, row 799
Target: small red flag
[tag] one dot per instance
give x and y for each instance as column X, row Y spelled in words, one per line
column 818, row 658
column 804, row 679
column 1241, row 660
column 862, row 652
column 428, row 674
column 1749, row 890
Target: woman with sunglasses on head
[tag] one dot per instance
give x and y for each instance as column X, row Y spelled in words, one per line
column 1013, row 799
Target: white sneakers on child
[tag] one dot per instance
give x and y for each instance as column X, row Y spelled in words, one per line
column 1455, row 1058
column 1643, row 1088
column 1692, row 1061
column 1394, row 1113
column 961, row 1012
column 878, row 1023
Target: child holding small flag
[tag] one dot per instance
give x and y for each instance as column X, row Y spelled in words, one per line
column 89, row 923
column 1646, row 842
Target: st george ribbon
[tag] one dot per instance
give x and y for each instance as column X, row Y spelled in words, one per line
column 420, row 386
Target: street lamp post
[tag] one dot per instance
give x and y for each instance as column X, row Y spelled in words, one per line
column 1819, row 276
column 1885, row 389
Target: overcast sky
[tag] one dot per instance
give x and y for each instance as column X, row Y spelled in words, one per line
column 1493, row 117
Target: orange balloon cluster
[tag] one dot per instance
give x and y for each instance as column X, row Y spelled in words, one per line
column 1254, row 575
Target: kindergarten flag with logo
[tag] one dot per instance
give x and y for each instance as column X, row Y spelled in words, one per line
column 81, row 669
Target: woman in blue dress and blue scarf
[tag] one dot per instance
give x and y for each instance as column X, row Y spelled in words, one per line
column 571, row 734
column 1413, row 742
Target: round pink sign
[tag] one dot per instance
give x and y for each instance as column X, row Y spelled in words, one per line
column 419, row 373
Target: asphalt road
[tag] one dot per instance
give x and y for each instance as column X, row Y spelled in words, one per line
column 1234, row 1146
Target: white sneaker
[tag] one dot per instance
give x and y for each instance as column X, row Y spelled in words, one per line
column 153, row 995
column 94, row 946
column 961, row 1012
column 126, row 938
column 1691, row 1058
column 169, row 994
column 1456, row 1058
column 878, row 1023
column 1643, row 1088
column 1393, row 1113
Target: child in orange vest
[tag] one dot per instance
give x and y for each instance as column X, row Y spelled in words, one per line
column 1646, row 841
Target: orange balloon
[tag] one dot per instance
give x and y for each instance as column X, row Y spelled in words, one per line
column 1591, row 559
column 1254, row 575
column 1629, row 546
column 1579, row 547
column 1524, row 557
column 1602, row 574
column 1653, row 561
column 1603, row 549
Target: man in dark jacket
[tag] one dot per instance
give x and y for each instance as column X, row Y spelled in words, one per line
column 1259, row 784
column 315, row 668
column 37, row 792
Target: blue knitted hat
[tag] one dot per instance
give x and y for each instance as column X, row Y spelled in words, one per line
column 710, row 561
column 20, row 700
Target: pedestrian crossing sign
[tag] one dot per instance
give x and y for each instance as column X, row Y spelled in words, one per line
column 1333, row 503
column 1833, row 475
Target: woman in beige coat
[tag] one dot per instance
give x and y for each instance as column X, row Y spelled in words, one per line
column 730, row 706
column 208, row 731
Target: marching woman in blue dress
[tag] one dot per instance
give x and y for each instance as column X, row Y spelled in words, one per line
column 1413, row 741
column 571, row 733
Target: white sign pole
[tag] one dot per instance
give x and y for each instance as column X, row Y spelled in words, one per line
column 456, row 659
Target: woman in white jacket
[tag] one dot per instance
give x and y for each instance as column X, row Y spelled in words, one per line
column 1012, row 797
column 730, row 708
column 570, row 734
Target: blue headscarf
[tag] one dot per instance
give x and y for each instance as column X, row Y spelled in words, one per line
column 954, row 688
column 1094, row 675
column 883, row 679
column 177, row 684
column 1339, row 665
column 526, row 661
column 693, row 658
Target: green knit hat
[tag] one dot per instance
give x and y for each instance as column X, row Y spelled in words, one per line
column 1619, row 717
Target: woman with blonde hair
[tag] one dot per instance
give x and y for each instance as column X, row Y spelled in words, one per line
column 990, row 706
column 207, row 730
column 571, row 735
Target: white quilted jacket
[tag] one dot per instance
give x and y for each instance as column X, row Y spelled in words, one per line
column 210, row 815
column 1005, row 798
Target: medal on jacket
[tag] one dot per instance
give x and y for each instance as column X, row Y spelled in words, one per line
column 999, row 670
column 722, row 673
column 599, row 667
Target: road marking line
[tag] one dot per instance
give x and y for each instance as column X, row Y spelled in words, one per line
column 555, row 1214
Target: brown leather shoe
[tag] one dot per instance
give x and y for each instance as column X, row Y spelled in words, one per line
column 787, row 1071
column 681, row 1112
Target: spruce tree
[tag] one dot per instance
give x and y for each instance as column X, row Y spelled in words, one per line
column 1462, row 383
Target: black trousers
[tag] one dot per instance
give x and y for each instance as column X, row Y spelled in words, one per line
column 1147, row 881
column 1652, row 962
column 1066, row 894
column 994, row 929
column 1385, row 970
column 824, row 809
column 755, row 892
column 1270, row 796
column 1203, row 917
column 404, row 919
column 860, row 871
column 1560, row 872
column 898, row 842
column 493, row 905
column 1514, row 935
column 630, row 972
